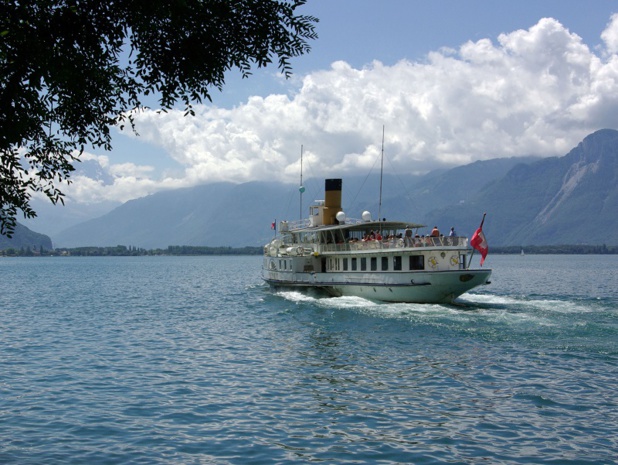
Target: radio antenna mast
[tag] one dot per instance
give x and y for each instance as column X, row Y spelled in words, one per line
column 381, row 173
column 301, row 188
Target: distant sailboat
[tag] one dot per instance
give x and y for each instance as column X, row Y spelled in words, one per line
column 522, row 252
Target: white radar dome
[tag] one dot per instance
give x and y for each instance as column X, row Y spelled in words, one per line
column 340, row 217
column 366, row 216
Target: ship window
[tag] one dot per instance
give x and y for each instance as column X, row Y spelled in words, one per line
column 354, row 264
column 417, row 262
column 374, row 263
column 384, row 263
column 397, row 263
column 363, row 263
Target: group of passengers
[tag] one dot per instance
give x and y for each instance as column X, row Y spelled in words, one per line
column 430, row 239
column 377, row 236
column 407, row 238
column 372, row 236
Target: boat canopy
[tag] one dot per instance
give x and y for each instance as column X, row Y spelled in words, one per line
column 361, row 226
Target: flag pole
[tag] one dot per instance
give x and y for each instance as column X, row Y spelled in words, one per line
column 482, row 221
column 473, row 249
column 470, row 259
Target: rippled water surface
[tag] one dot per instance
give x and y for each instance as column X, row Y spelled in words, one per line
column 158, row 360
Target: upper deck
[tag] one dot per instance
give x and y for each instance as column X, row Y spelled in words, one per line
column 392, row 244
column 328, row 230
column 361, row 235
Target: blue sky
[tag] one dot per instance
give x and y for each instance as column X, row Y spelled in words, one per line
column 360, row 31
column 451, row 81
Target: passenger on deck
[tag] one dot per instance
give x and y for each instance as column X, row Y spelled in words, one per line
column 452, row 233
column 435, row 232
column 407, row 241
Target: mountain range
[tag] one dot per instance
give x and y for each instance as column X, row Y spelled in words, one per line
column 24, row 238
column 560, row 200
column 572, row 199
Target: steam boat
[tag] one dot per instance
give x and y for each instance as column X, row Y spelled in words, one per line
column 378, row 260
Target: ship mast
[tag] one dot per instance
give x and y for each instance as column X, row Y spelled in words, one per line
column 381, row 173
column 301, row 188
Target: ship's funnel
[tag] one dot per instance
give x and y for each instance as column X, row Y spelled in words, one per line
column 332, row 200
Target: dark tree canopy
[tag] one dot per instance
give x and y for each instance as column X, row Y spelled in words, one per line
column 71, row 69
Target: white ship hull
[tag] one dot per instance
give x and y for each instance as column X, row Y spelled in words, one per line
column 417, row 287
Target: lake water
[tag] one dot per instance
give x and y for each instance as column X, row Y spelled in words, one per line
column 192, row 360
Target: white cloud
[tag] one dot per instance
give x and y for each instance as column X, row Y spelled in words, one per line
column 531, row 92
column 610, row 35
column 131, row 169
column 102, row 160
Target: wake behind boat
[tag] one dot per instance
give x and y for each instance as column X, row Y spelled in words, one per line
column 378, row 260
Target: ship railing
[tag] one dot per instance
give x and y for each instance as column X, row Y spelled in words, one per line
column 395, row 244
column 446, row 241
column 285, row 226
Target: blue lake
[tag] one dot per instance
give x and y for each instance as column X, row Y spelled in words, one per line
column 193, row 360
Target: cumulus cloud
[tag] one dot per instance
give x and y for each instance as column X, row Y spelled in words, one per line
column 610, row 35
column 530, row 92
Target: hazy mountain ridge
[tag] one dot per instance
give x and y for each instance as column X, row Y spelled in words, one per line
column 560, row 200
column 225, row 214
column 571, row 199
column 150, row 221
column 51, row 219
column 25, row 238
